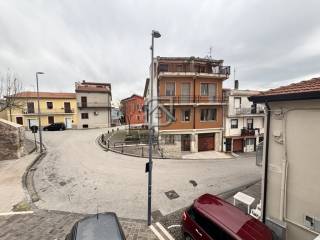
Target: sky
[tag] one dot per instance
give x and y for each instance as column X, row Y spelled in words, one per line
column 269, row 43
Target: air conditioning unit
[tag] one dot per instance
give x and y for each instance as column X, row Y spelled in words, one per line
column 96, row 113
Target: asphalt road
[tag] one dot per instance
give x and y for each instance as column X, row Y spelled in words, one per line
column 78, row 176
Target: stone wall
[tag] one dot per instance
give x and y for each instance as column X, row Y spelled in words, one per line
column 11, row 140
column 171, row 150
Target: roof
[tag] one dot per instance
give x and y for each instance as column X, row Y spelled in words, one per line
column 94, row 87
column 208, row 60
column 232, row 218
column 309, row 89
column 132, row 96
column 51, row 95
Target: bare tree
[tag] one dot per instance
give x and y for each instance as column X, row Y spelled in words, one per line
column 10, row 86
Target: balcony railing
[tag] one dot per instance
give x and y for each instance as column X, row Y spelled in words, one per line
column 249, row 132
column 218, row 70
column 48, row 111
column 93, row 104
column 252, row 110
column 188, row 99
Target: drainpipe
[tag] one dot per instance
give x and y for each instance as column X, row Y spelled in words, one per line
column 266, row 163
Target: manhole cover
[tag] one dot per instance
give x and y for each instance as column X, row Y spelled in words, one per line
column 172, row 194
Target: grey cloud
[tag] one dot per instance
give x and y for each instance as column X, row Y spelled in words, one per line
column 110, row 40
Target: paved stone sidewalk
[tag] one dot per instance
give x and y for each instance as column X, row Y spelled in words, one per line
column 54, row 225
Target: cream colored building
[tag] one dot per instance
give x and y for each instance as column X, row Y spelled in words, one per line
column 291, row 191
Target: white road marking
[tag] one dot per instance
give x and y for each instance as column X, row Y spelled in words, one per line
column 16, row 213
column 168, row 235
column 156, row 232
column 172, row 226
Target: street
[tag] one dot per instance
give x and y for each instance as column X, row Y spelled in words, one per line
column 78, row 176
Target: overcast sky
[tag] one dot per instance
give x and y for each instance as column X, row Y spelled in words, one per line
column 270, row 43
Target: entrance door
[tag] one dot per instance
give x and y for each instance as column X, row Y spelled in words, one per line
column 250, row 144
column 237, row 145
column 228, row 144
column 206, row 142
column 185, row 142
column 68, row 122
column 67, row 107
column 185, row 92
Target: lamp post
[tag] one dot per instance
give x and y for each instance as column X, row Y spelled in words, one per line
column 154, row 34
column 39, row 117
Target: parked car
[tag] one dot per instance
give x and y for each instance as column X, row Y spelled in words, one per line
column 55, row 127
column 97, row 227
column 211, row 218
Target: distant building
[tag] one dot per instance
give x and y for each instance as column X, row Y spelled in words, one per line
column 116, row 116
column 244, row 121
column 94, row 104
column 54, row 107
column 191, row 89
column 291, row 162
column 132, row 109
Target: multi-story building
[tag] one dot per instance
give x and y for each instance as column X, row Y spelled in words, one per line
column 94, row 104
column 116, row 116
column 291, row 192
column 54, row 108
column 132, row 109
column 244, row 121
column 191, row 89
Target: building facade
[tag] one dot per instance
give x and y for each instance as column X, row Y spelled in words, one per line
column 191, row 90
column 244, row 121
column 54, row 108
column 291, row 193
column 132, row 109
column 94, row 104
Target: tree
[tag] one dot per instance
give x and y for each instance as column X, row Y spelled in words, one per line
column 10, row 86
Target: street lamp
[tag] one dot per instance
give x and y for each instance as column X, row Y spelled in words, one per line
column 154, row 34
column 39, row 118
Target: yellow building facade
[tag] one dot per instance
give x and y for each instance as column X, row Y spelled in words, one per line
column 54, row 108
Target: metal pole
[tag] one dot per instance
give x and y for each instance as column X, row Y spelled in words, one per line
column 39, row 118
column 150, row 134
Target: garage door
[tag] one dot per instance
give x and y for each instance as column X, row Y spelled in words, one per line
column 206, row 141
column 237, row 145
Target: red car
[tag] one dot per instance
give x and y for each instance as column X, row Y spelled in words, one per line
column 211, row 218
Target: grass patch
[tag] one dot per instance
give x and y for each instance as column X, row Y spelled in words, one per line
column 21, row 206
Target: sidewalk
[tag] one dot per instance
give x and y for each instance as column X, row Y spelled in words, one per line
column 207, row 155
column 11, row 190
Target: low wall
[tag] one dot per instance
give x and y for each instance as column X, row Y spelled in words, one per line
column 11, row 140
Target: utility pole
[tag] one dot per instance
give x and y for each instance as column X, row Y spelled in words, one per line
column 39, row 114
column 154, row 34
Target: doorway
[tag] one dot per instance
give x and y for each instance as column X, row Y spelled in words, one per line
column 185, row 142
column 68, row 122
column 228, row 144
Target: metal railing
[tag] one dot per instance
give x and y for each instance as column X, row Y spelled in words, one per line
column 249, row 132
column 220, row 70
column 189, row 99
column 250, row 110
column 48, row 111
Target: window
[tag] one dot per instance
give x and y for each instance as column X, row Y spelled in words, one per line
column 170, row 89
column 51, row 119
column 250, row 123
column 85, row 126
column 186, row 115
column 168, row 139
column 213, row 230
column 84, row 116
column 237, row 102
column 49, row 105
column 234, row 123
column 207, row 89
column 67, row 107
column 30, row 107
column 19, row 120
column 83, row 101
column 173, row 113
column 138, row 118
column 163, row 68
column 208, row 114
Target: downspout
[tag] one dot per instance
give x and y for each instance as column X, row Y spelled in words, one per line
column 266, row 163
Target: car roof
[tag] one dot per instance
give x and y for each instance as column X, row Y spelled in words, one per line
column 231, row 218
column 99, row 226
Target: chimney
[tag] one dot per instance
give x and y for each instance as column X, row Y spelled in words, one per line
column 236, row 84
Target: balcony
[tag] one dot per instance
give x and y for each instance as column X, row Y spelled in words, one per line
column 249, row 132
column 248, row 111
column 188, row 99
column 48, row 111
column 93, row 105
column 219, row 72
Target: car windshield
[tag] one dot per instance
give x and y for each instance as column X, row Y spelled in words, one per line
column 143, row 108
